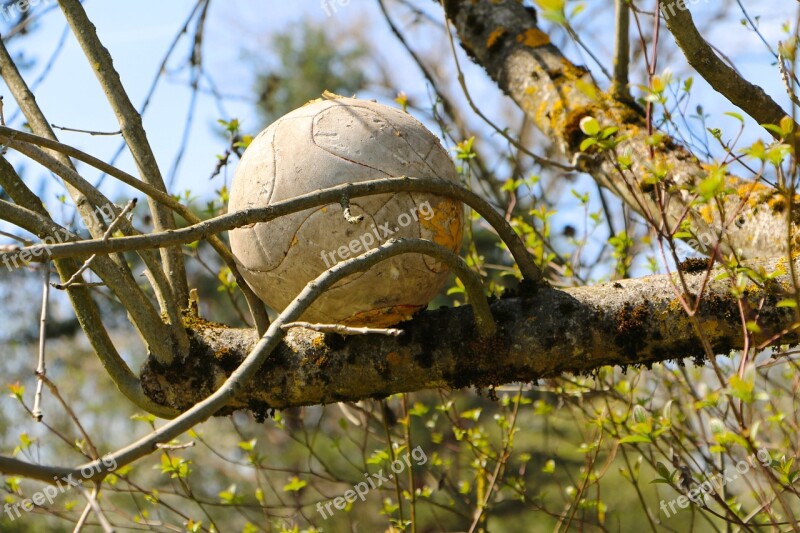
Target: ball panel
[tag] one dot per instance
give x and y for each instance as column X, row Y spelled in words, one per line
column 427, row 146
column 367, row 135
column 258, row 164
column 316, row 169
column 383, row 317
column 390, row 284
column 265, row 246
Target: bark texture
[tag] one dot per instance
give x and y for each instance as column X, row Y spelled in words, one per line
column 541, row 332
column 501, row 36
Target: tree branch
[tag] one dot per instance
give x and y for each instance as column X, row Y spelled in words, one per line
column 724, row 79
column 622, row 50
column 239, row 378
column 148, row 323
column 85, row 309
column 541, row 333
column 313, row 199
column 117, row 274
column 557, row 94
column 159, row 281
column 15, row 137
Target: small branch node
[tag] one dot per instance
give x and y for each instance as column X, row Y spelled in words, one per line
column 346, row 212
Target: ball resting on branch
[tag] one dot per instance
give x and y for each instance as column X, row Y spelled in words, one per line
column 330, row 142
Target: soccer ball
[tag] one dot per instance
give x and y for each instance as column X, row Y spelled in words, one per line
column 325, row 143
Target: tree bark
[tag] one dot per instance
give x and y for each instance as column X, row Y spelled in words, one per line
column 541, row 332
column 503, row 37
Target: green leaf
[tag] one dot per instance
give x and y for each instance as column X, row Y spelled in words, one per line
column 774, row 129
column 663, row 471
column 742, row 389
column 472, row 414
column 589, row 126
column 294, row 485
column 635, row 438
column 713, row 184
column 586, row 143
column 737, row 116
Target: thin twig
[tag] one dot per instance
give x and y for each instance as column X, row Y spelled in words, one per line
column 92, row 505
column 41, row 370
column 171, row 447
column 344, row 330
column 107, row 235
column 90, row 132
column 785, row 76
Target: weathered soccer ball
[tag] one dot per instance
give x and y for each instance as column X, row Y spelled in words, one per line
column 327, row 143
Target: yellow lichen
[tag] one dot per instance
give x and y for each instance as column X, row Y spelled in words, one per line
column 494, row 37
column 707, row 213
column 533, row 38
column 445, row 224
column 318, row 341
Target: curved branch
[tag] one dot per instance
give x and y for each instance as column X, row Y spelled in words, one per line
column 314, row 199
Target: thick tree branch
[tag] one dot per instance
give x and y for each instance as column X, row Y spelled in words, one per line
column 541, row 333
column 556, row 95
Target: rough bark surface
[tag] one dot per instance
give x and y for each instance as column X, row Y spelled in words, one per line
column 542, row 332
column 501, row 36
